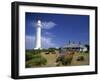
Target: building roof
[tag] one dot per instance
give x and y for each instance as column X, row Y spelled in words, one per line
column 74, row 46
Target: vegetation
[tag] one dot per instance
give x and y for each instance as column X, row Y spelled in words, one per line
column 80, row 58
column 87, row 46
column 38, row 60
column 32, row 54
column 64, row 60
column 52, row 57
column 34, row 59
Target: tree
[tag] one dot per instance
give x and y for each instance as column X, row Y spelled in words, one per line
column 52, row 49
column 87, row 46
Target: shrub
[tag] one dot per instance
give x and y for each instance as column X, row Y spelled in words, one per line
column 47, row 53
column 86, row 51
column 80, row 58
column 37, row 60
column 36, row 51
column 65, row 59
column 28, row 56
column 51, row 49
column 60, row 58
column 32, row 54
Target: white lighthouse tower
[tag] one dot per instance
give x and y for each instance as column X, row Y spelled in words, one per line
column 38, row 35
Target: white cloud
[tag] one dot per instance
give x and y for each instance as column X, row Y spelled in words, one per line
column 46, row 42
column 46, row 24
column 48, row 34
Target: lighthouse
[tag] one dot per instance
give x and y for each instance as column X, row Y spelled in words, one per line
column 38, row 35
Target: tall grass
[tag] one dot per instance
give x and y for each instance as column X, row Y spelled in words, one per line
column 34, row 59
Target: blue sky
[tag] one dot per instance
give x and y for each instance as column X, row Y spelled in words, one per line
column 57, row 29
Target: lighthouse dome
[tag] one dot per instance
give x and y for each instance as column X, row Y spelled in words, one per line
column 38, row 23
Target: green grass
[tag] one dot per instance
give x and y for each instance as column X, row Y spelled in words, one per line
column 35, row 60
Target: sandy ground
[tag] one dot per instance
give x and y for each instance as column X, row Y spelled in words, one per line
column 51, row 59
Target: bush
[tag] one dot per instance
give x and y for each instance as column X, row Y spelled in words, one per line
column 60, row 58
column 32, row 54
column 65, row 59
column 36, row 51
column 28, row 56
column 37, row 60
column 86, row 51
column 51, row 49
column 80, row 58
column 47, row 53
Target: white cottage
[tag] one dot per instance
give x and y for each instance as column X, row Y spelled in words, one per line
column 76, row 47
